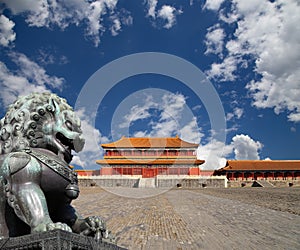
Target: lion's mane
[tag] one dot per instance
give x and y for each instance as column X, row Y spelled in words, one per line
column 22, row 125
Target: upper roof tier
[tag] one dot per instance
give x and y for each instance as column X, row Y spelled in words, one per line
column 146, row 142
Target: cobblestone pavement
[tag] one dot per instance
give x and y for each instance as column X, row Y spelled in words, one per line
column 281, row 199
column 184, row 219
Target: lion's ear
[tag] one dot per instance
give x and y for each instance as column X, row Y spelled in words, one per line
column 55, row 105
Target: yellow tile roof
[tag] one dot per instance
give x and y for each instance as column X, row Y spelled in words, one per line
column 147, row 142
column 261, row 165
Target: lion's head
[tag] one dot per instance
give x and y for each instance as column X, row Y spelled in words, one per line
column 41, row 120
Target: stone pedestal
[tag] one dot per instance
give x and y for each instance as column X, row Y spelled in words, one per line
column 54, row 240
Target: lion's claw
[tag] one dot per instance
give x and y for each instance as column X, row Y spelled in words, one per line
column 52, row 226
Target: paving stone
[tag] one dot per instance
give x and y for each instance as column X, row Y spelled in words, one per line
column 190, row 219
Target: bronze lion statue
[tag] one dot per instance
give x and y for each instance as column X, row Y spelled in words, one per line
column 37, row 136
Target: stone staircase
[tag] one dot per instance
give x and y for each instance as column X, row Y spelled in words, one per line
column 147, row 183
column 262, row 183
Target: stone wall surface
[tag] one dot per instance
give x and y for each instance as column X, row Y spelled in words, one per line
column 160, row 182
column 191, row 183
column 109, row 182
column 275, row 183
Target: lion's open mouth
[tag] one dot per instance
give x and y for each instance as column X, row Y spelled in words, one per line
column 67, row 145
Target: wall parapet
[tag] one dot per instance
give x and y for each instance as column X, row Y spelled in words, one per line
column 160, row 181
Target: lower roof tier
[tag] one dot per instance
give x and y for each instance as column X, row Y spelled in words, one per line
column 149, row 162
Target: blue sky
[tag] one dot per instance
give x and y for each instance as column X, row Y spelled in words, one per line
column 247, row 50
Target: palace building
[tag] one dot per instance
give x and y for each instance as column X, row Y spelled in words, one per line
column 260, row 170
column 150, row 157
column 135, row 161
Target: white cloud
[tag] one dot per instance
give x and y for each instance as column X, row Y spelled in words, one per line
column 7, row 35
column 191, row 132
column 245, row 148
column 164, row 128
column 169, row 14
column 95, row 12
column 294, row 117
column 119, row 20
column 141, row 134
column 214, row 40
column 29, row 78
column 229, row 116
column 268, row 35
column 88, row 156
column 138, row 112
column 225, row 70
column 34, row 72
column 215, row 153
column 172, row 106
column 13, row 85
column 169, row 116
column 116, row 27
column 48, row 56
column 166, row 13
column 151, row 4
column 213, row 4
column 19, row 6
column 45, row 13
column 238, row 112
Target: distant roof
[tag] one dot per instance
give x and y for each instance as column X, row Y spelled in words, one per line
column 148, row 142
column 236, row 165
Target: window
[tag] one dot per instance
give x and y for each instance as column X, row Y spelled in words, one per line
column 173, row 152
column 116, row 153
column 137, row 152
column 173, row 170
column 137, row 171
column 126, row 152
column 127, row 171
column 183, row 171
column 162, row 170
column 149, row 152
column 183, row 152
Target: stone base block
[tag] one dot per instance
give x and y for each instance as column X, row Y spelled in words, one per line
column 54, row 240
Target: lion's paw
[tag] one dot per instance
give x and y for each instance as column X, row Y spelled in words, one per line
column 52, row 226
